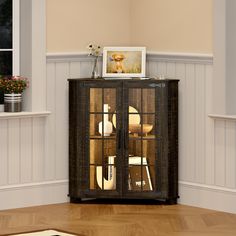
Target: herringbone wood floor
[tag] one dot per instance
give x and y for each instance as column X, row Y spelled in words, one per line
column 122, row 220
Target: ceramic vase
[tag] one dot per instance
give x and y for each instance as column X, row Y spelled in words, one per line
column 105, row 127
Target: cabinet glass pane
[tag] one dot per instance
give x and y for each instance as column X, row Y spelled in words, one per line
column 143, row 100
column 152, row 170
column 102, row 164
column 95, row 119
column 139, row 174
column 100, row 97
column 5, row 63
column 144, row 148
column 101, row 126
column 101, row 151
column 5, row 24
column 95, row 100
column 148, row 100
column 142, row 139
column 102, row 138
column 110, row 99
column 95, row 151
column 143, row 126
column 142, row 156
column 103, row 177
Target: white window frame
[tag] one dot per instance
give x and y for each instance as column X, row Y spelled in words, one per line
column 16, row 37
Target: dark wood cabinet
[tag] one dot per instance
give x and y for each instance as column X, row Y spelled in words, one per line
column 123, row 139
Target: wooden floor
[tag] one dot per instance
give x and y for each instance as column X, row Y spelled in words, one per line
column 120, row 220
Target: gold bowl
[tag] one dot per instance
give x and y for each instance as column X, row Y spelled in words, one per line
column 137, row 129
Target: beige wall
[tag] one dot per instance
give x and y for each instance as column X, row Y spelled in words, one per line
column 160, row 25
column 73, row 24
column 172, row 25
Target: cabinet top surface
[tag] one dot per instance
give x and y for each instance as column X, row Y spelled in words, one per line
column 100, row 80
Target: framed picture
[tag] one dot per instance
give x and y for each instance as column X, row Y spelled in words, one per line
column 136, row 179
column 124, row 61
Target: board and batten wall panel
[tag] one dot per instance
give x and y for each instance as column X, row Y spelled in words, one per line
column 205, row 157
column 195, row 77
column 27, row 172
column 207, row 150
column 22, row 151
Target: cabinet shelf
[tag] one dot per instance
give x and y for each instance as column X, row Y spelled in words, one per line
column 99, row 137
column 146, row 137
column 131, row 137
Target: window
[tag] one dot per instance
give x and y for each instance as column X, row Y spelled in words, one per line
column 9, row 38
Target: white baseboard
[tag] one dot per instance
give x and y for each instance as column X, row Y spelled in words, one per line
column 26, row 195
column 206, row 196
column 192, row 194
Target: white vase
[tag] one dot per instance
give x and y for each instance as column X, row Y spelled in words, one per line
column 105, row 127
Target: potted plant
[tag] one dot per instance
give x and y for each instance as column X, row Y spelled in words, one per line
column 12, row 87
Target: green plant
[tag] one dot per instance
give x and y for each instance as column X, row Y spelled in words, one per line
column 13, row 84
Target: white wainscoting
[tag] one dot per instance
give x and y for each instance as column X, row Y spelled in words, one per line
column 206, row 146
column 25, row 168
column 219, row 191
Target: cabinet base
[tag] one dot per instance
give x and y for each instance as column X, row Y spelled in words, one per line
column 124, row 201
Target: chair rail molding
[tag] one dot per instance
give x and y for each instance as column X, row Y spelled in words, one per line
column 151, row 55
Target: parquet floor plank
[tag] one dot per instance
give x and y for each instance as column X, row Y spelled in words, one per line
column 120, row 220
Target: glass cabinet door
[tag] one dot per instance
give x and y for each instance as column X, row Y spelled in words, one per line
column 103, row 126
column 141, row 152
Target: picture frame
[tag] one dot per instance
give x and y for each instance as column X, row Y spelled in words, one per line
column 135, row 180
column 124, row 62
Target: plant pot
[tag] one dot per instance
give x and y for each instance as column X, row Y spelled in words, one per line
column 12, row 102
column 1, row 107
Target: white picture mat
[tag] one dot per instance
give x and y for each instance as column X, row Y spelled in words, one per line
column 124, row 49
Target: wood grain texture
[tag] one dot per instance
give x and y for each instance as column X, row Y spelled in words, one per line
column 161, row 104
column 120, row 220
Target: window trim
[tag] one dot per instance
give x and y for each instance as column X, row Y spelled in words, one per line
column 16, row 38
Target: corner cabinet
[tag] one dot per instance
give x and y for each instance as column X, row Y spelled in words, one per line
column 123, row 139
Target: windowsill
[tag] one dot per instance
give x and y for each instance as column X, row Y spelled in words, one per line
column 222, row 117
column 23, row 114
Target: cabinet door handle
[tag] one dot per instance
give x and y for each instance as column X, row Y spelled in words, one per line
column 125, row 140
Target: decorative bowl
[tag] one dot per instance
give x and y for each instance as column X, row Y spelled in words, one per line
column 137, row 129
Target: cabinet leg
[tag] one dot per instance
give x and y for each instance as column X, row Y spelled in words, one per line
column 75, row 200
column 171, row 201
